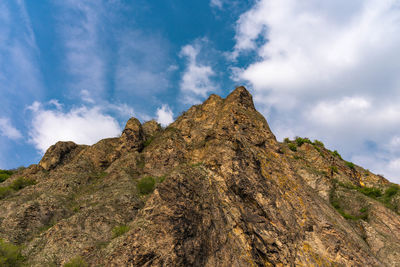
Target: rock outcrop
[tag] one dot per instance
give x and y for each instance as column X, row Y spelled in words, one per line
column 214, row 188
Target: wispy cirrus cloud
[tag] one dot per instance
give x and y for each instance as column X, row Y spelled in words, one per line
column 80, row 25
column 20, row 76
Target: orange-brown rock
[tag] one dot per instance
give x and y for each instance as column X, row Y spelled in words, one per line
column 226, row 193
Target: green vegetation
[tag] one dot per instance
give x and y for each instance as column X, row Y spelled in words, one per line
column 16, row 185
column 350, row 165
column 5, row 191
column 385, row 198
column 76, row 262
column 286, row 140
column 300, row 141
column 334, row 169
column 148, row 141
column 146, row 185
column 336, row 154
column 198, row 164
column 392, row 190
column 365, row 209
column 370, row 192
column 292, row 146
column 318, row 143
column 21, row 182
column 335, row 203
column 5, row 174
column 10, row 255
column 119, row 230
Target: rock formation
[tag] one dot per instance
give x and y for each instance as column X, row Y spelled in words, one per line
column 214, row 188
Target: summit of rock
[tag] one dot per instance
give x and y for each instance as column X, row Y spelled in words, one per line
column 214, row 188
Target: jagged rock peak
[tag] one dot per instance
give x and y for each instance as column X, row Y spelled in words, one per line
column 56, row 154
column 132, row 124
column 240, row 96
column 132, row 136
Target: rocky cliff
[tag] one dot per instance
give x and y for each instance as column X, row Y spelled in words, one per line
column 214, row 188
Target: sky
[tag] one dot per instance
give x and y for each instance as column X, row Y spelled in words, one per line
column 77, row 70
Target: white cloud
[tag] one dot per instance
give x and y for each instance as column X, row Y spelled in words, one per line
column 8, row 130
column 86, row 97
column 20, row 76
column 308, row 47
column 164, row 115
column 327, row 70
column 196, row 80
column 216, row 3
column 81, row 125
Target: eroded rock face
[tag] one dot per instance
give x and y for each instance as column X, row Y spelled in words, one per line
column 226, row 194
column 132, row 136
column 151, row 128
column 56, row 154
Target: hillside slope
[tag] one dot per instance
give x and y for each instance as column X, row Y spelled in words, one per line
column 214, row 188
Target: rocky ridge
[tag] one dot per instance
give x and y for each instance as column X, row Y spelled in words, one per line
column 214, row 188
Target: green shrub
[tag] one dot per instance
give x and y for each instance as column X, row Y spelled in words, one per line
column 18, row 184
column 392, row 190
column 292, row 147
column 76, row 262
column 336, row 154
column 300, row 141
column 5, row 191
column 318, row 143
column 348, row 216
column 4, row 175
column 10, row 255
column 370, row 192
column 120, row 230
column 9, row 172
column 364, row 209
column 146, row 185
column 21, row 182
column 350, row 165
column 286, row 140
column 334, row 169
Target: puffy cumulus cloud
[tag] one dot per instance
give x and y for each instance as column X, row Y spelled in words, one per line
column 327, row 70
column 164, row 115
column 8, row 130
column 196, row 80
column 306, row 44
column 82, row 125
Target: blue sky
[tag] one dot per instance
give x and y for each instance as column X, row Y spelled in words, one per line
column 78, row 70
